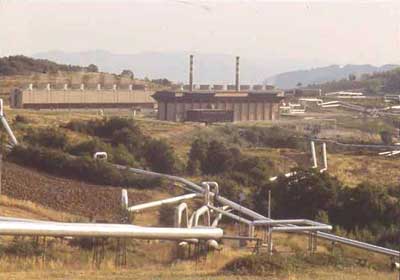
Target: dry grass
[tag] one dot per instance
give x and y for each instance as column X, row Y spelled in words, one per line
column 10, row 207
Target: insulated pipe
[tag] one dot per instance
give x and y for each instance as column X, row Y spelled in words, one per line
column 301, row 228
column 325, row 158
column 179, row 210
column 124, row 199
column 230, row 215
column 257, row 216
column 200, row 213
column 6, row 126
column 219, row 216
column 289, row 221
column 163, row 201
column 106, row 230
column 314, row 156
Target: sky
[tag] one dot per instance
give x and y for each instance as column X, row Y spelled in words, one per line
column 339, row 32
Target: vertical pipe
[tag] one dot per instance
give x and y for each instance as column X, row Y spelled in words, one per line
column 191, row 73
column 237, row 85
column 314, row 156
column 124, row 199
column 325, row 157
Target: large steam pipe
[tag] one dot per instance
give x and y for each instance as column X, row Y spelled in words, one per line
column 314, row 156
column 325, row 158
column 163, row 201
column 106, row 230
column 6, row 126
column 179, row 210
column 257, row 216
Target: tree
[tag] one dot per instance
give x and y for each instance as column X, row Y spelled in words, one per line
column 92, row 68
column 219, row 159
column 304, row 194
column 160, row 157
column 127, row 73
column 197, row 156
column 352, row 77
column 386, row 137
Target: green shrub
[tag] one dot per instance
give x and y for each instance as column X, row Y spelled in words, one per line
column 160, row 157
column 48, row 137
column 21, row 119
column 82, row 168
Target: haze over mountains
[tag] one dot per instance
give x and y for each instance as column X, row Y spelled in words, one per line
column 213, row 68
column 208, row 68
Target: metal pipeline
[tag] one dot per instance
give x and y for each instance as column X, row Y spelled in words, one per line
column 314, row 156
column 325, row 158
column 257, row 216
column 6, row 126
column 200, row 213
column 106, row 230
column 163, row 201
column 179, row 210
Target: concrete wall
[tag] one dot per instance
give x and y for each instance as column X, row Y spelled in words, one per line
column 242, row 111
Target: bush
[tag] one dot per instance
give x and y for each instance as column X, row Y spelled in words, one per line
column 85, row 168
column 89, row 147
column 48, row 137
column 21, row 119
column 302, row 195
column 160, row 157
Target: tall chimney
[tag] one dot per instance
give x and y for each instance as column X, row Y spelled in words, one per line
column 191, row 73
column 237, row 85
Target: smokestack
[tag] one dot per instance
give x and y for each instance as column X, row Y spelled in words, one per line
column 191, row 73
column 237, row 85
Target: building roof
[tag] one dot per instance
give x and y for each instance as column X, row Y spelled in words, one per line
column 269, row 95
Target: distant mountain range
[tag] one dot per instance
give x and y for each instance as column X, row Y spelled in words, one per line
column 208, row 68
column 324, row 74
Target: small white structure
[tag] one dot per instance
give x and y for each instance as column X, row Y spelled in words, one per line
column 100, row 156
column 346, row 94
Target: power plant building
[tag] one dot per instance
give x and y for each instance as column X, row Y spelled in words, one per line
column 230, row 103
column 241, row 106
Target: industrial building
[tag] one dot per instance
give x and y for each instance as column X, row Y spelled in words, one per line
column 221, row 104
column 67, row 98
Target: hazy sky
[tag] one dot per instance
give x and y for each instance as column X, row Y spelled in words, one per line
column 340, row 32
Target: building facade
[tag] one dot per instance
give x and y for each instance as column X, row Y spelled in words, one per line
column 81, row 98
column 243, row 105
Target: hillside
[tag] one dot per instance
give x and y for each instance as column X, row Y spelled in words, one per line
column 324, row 74
column 23, row 65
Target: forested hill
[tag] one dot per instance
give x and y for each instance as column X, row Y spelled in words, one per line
column 376, row 83
column 23, row 65
column 324, row 74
